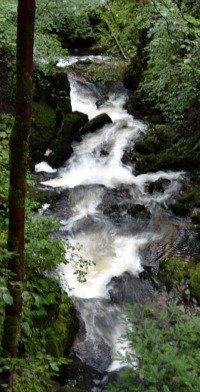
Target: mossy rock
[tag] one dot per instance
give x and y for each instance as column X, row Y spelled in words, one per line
column 164, row 147
column 158, row 186
column 180, row 209
column 61, row 146
column 194, row 282
column 187, row 202
column 133, row 73
column 96, row 123
column 61, row 152
column 52, row 87
column 172, row 272
column 138, row 210
column 105, row 75
column 62, row 331
column 43, row 130
column 139, row 106
column 72, row 125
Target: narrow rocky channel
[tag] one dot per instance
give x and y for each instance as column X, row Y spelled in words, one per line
column 113, row 218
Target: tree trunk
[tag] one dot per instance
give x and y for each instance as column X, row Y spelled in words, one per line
column 18, row 168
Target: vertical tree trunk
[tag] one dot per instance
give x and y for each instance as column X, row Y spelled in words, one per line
column 18, row 168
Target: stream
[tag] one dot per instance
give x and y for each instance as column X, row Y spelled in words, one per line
column 108, row 242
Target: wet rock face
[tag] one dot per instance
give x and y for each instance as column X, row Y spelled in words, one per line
column 158, row 186
column 119, row 202
column 52, row 104
column 45, row 135
column 128, row 288
column 61, row 146
column 101, row 101
column 77, row 376
column 96, row 123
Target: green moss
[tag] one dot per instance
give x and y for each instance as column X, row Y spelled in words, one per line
column 165, row 147
column 100, row 73
column 43, row 130
column 61, row 146
column 52, row 87
column 62, row 331
column 187, row 202
column 43, row 115
column 172, row 271
column 180, row 209
column 71, row 389
column 96, row 123
column 194, row 282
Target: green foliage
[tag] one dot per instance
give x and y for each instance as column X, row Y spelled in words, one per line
column 118, row 28
column 168, row 38
column 165, row 352
column 68, row 19
column 194, row 282
column 8, row 25
column 33, row 374
column 172, row 272
column 42, row 252
column 172, row 78
column 192, row 7
column 34, row 367
column 6, row 122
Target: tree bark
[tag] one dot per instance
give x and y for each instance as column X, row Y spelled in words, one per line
column 18, row 169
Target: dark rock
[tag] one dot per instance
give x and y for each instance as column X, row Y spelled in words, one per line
column 138, row 210
column 61, row 146
column 146, row 273
column 180, row 209
column 78, row 376
column 101, row 101
column 96, row 123
column 43, row 130
column 61, row 152
column 72, row 123
column 130, row 289
column 52, row 87
column 104, row 152
column 158, row 186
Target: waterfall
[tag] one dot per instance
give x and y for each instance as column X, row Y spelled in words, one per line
column 98, row 181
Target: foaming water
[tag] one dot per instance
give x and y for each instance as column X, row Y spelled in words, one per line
column 88, row 165
column 74, row 59
column 110, row 249
column 110, row 255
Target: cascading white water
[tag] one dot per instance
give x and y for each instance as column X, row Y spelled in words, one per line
column 90, row 174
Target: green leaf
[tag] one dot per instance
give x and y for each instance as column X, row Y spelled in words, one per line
column 26, row 329
column 7, row 298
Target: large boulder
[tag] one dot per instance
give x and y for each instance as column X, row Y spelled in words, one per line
column 96, row 123
column 61, row 146
column 72, row 125
column 51, row 85
column 43, row 130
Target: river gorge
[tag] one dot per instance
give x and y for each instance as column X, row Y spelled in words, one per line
column 113, row 225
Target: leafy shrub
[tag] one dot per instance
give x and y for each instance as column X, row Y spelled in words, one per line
column 165, row 352
column 194, row 282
